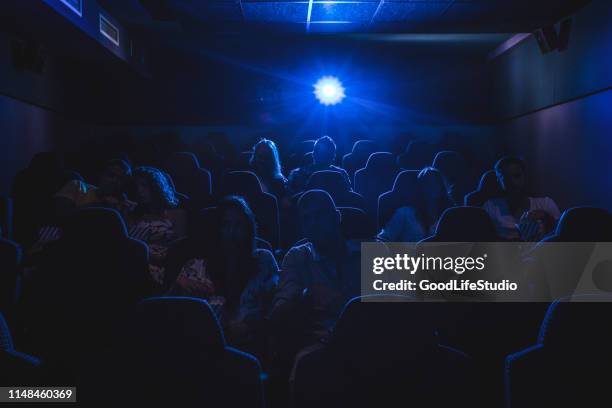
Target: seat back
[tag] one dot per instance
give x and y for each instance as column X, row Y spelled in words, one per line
column 376, row 178
column 189, row 178
column 174, row 350
column 401, row 195
column 358, row 157
column 464, row 224
column 488, row 188
column 418, row 154
column 355, row 223
column 584, row 224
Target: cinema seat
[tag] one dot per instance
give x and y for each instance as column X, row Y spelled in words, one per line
column 488, row 188
column 358, row 157
column 264, row 205
column 383, row 350
column 464, row 224
column 189, row 178
column 336, row 185
column 174, row 352
column 375, row 178
column 567, row 364
column 356, row 224
column 401, row 195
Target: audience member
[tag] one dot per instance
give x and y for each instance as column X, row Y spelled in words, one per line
column 321, row 274
column 413, row 223
column 265, row 162
column 323, row 156
column 516, row 215
column 150, row 221
column 111, row 191
column 233, row 275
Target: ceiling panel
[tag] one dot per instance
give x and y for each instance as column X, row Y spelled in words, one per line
column 410, row 12
column 348, row 11
column 277, row 11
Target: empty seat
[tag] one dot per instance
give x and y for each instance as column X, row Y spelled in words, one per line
column 567, row 364
column 264, row 205
column 401, row 195
column 464, row 224
column 375, row 178
column 86, row 281
column 488, row 188
column 358, row 157
column 418, row 154
column 381, row 351
column 336, row 185
column 174, row 352
column 583, row 224
column 560, row 260
column 189, row 178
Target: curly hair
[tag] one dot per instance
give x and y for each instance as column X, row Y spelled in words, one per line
column 163, row 192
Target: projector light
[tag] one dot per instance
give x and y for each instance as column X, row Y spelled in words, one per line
column 329, row 90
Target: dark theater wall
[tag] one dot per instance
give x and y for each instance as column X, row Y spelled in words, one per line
column 556, row 109
column 35, row 112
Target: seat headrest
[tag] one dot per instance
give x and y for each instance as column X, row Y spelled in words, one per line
column 488, row 183
column 405, row 181
column 103, row 224
column 465, row 224
column 449, row 162
column 416, row 156
column 242, row 183
column 363, row 147
column 181, row 162
column 381, row 162
column 378, row 322
column 303, row 147
column 578, row 320
column 329, row 180
column 585, row 224
column 177, row 324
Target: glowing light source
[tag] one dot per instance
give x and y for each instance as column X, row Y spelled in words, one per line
column 329, row 90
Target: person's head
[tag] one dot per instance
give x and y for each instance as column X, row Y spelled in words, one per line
column 511, row 173
column 319, row 217
column 265, row 159
column 324, row 152
column 114, row 177
column 432, row 187
column 237, row 227
column 153, row 189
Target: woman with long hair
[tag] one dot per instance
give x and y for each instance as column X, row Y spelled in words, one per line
column 234, row 276
column 265, row 162
column 151, row 222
